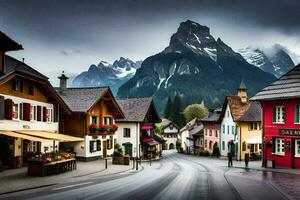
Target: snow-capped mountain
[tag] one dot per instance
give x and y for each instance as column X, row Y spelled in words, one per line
column 106, row 74
column 274, row 60
column 197, row 66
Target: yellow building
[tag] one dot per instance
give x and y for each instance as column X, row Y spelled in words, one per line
column 250, row 133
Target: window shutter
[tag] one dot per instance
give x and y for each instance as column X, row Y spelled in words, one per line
column 296, row 113
column 273, row 144
column 8, row 109
column 91, row 146
column 39, row 113
column 44, row 114
column 98, row 145
column 56, row 113
column 274, row 114
column 26, row 111
column 21, row 111
column 2, row 107
column 283, row 110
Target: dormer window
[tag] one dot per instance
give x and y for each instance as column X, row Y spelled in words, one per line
column 18, row 85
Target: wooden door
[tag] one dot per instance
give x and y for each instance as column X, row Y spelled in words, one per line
column 104, row 149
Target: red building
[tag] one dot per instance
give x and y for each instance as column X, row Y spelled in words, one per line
column 280, row 103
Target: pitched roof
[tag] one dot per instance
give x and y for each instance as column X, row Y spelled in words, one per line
column 237, row 108
column 213, row 116
column 165, row 123
column 12, row 65
column 197, row 130
column 288, row 86
column 243, row 86
column 7, row 44
column 136, row 109
column 189, row 125
column 253, row 114
column 83, row 99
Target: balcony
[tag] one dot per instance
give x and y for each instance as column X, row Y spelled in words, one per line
column 103, row 129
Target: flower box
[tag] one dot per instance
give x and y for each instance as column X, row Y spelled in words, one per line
column 122, row 160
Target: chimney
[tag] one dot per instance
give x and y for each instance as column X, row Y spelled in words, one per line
column 63, row 82
column 242, row 92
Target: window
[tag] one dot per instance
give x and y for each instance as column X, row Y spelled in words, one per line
column 205, row 143
column 233, row 130
column 201, row 142
column 205, row 130
column 126, row 132
column 107, row 120
column 228, row 128
column 94, row 120
column 297, row 148
column 15, row 114
column 210, row 132
column 279, row 146
column 223, row 129
column 98, row 145
column 93, row 146
column 210, row 144
column 30, row 90
column 279, row 114
column 253, row 126
column 223, row 145
column 228, row 114
column 32, row 113
column 297, row 114
column 34, row 146
column 18, row 85
column 49, row 114
column 217, row 133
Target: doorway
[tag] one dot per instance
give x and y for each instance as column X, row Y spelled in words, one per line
column 128, row 149
column 171, row 146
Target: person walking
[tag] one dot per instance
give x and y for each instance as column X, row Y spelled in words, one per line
column 229, row 155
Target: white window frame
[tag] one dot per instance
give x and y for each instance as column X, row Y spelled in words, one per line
column 104, row 120
column 279, row 146
column 280, row 114
column 33, row 113
column 91, row 121
column 16, row 109
column 297, row 148
column 228, row 129
column 223, row 129
column 49, row 115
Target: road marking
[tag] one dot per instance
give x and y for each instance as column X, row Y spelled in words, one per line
column 70, row 186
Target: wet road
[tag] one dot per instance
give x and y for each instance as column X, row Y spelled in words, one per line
column 176, row 176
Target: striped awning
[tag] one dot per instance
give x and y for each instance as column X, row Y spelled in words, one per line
column 23, row 136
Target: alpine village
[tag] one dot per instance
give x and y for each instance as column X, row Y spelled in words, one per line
column 49, row 130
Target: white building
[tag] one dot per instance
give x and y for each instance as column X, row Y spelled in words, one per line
column 170, row 134
column 136, row 133
column 186, row 138
column 233, row 108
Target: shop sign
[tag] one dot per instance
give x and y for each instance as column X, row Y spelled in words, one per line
column 289, row 132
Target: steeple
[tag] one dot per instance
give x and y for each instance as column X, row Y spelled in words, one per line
column 242, row 92
column 63, row 82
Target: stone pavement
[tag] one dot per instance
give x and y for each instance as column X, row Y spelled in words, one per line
column 17, row 179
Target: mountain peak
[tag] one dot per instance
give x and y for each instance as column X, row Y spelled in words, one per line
column 193, row 27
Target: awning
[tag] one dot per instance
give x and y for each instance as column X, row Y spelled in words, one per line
column 27, row 137
column 254, row 140
column 51, row 136
column 152, row 143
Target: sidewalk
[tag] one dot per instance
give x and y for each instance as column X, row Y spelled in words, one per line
column 17, row 179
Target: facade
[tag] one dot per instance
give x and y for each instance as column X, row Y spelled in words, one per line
column 280, row 121
column 249, row 133
column 198, row 139
column 187, row 140
column 211, row 129
column 93, row 115
column 233, row 108
column 136, row 133
column 29, row 109
column 170, row 134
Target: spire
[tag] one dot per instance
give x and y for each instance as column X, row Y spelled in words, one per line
column 242, row 92
column 242, row 86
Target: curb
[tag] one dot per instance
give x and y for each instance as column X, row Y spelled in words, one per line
column 32, row 188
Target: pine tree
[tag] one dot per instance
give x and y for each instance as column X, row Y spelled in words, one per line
column 177, row 111
column 168, row 109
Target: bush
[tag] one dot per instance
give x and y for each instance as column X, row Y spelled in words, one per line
column 216, row 151
column 118, row 151
column 178, row 146
column 204, row 153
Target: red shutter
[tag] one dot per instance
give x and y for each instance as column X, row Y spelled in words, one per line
column 44, row 114
column 26, row 111
column 8, row 109
column 39, row 113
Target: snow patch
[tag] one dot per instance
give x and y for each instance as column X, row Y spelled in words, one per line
column 171, row 73
column 197, row 38
column 212, row 53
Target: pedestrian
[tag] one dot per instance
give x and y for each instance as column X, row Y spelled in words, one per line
column 229, row 155
column 246, row 159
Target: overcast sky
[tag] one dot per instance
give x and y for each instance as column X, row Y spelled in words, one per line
column 70, row 35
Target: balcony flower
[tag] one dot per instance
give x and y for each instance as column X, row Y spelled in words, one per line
column 93, row 128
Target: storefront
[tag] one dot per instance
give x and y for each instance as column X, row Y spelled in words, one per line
column 280, row 102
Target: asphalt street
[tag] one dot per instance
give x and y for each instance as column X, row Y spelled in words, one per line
column 176, row 176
